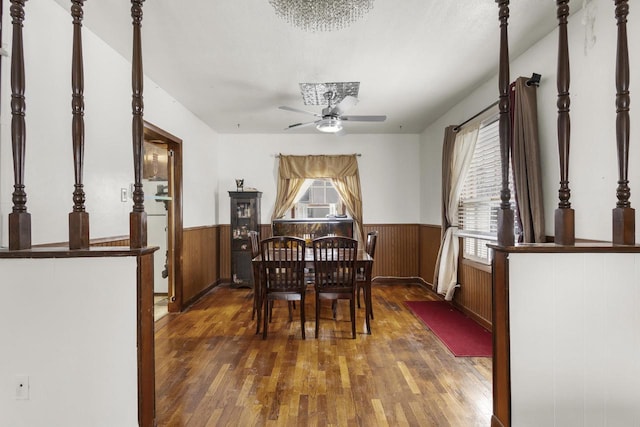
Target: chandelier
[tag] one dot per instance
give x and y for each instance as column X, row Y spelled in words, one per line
column 321, row 15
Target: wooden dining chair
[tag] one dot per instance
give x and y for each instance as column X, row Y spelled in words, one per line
column 361, row 278
column 282, row 275
column 334, row 263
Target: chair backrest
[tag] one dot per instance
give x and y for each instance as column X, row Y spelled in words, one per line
column 334, row 262
column 254, row 239
column 370, row 247
column 283, row 264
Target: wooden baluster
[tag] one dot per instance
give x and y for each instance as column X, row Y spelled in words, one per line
column 624, row 230
column 564, row 215
column 79, row 218
column 19, row 218
column 505, row 214
column 138, row 217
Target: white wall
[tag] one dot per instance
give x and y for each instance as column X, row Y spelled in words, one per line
column 574, row 339
column 593, row 165
column 389, row 170
column 108, row 151
column 76, row 343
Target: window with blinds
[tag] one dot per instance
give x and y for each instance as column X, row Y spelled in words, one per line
column 318, row 199
column 480, row 197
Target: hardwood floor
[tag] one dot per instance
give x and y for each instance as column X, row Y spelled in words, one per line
column 213, row 370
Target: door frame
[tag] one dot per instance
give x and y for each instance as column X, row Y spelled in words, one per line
column 174, row 215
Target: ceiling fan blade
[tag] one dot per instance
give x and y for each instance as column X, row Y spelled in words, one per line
column 347, row 103
column 297, row 125
column 364, row 118
column 295, row 110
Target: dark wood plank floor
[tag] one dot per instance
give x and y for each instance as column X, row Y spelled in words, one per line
column 213, row 370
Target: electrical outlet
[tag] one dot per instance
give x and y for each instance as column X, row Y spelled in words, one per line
column 123, row 195
column 22, row 387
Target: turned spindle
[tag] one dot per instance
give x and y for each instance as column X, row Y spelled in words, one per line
column 19, row 218
column 78, row 218
column 138, row 217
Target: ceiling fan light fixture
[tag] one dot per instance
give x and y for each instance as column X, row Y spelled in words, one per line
column 313, row 16
column 329, row 125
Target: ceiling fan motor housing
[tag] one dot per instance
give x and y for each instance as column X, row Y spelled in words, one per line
column 329, row 125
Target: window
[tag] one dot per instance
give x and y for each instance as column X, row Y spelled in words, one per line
column 318, row 199
column 480, row 197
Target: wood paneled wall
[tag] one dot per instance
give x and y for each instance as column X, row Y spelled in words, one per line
column 201, row 261
column 397, row 250
column 474, row 294
column 429, row 246
column 225, row 252
column 110, row 241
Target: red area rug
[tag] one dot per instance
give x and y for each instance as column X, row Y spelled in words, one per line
column 462, row 335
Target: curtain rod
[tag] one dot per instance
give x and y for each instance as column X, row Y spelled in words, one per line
column 356, row 154
column 534, row 80
column 457, row 128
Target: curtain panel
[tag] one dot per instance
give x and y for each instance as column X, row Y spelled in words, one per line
column 447, row 153
column 525, row 160
column 457, row 153
column 341, row 169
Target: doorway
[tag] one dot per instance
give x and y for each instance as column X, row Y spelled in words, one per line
column 162, row 183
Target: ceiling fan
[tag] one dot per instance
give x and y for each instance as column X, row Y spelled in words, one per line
column 330, row 121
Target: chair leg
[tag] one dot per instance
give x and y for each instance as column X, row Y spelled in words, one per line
column 334, row 308
column 290, row 305
column 368, row 302
column 302, row 317
column 317, row 314
column 253, row 310
column 259, row 312
column 358, row 296
column 267, row 305
column 352, row 307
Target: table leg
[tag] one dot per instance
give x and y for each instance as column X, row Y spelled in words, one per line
column 367, row 296
column 257, row 295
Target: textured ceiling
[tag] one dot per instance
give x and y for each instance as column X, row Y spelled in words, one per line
column 233, row 62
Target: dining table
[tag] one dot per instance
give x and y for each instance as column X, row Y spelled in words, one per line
column 364, row 261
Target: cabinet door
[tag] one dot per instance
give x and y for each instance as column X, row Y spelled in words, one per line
column 241, row 268
column 245, row 217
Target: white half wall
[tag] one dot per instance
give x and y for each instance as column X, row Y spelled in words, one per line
column 70, row 326
column 575, row 342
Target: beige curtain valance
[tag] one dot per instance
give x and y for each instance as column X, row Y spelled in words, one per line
column 318, row 166
column 341, row 169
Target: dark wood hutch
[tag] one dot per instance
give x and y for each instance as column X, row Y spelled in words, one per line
column 245, row 217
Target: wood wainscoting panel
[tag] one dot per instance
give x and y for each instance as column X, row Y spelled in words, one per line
column 397, row 250
column 110, row 241
column 429, row 246
column 225, row 252
column 201, row 265
column 265, row 231
column 474, row 294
